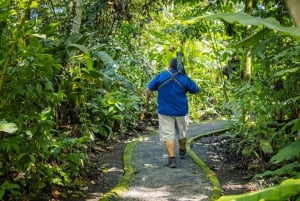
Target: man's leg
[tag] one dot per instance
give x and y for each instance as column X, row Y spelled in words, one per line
column 167, row 135
column 182, row 143
column 182, row 147
column 170, row 146
column 182, row 128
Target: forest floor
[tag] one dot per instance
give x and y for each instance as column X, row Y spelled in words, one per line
column 232, row 172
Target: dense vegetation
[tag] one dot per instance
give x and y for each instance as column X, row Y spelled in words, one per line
column 73, row 72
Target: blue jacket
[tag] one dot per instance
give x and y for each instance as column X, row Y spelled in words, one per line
column 172, row 99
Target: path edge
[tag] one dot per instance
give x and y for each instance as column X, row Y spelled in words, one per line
column 123, row 184
column 210, row 174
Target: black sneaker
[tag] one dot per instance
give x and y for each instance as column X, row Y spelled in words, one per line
column 172, row 163
column 182, row 153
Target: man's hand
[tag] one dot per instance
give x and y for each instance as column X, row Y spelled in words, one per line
column 149, row 95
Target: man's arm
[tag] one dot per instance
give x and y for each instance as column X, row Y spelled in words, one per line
column 149, row 95
column 193, row 87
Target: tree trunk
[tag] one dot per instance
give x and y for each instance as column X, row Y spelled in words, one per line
column 247, row 71
column 76, row 7
column 75, row 11
column 248, row 64
column 294, row 8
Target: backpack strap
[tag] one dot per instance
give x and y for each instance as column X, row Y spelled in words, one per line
column 173, row 77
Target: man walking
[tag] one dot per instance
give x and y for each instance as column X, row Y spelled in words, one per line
column 172, row 87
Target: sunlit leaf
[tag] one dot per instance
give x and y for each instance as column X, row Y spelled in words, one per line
column 43, row 36
column 266, row 146
column 13, row 12
column 34, row 4
column 286, row 71
column 8, row 127
column 246, row 19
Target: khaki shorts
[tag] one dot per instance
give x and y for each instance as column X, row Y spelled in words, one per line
column 172, row 126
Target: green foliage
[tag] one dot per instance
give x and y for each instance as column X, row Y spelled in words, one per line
column 59, row 105
column 283, row 191
column 287, row 153
column 281, row 172
column 282, row 160
column 10, row 187
column 267, row 108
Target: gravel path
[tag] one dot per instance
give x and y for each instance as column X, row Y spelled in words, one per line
column 153, row 181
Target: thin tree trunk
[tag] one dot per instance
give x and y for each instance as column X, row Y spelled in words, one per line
column 246, row 70
column 77, row 16
column 249, row 4
column 75, row 10
column 294, row 8
column 248, row 64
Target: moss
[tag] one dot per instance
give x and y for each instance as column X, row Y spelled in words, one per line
column 209, row 173
column 123, row 185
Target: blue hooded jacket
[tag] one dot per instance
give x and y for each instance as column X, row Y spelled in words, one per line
column 172, row 99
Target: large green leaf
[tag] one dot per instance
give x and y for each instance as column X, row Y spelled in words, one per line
column 287, row 152
column 296, row 126
column 286, row 71
column 106, row 58
column 284, row 170
column 287, row 53
column 253, row 39
column 280, row 192
column 80, row 47
column 245, row 20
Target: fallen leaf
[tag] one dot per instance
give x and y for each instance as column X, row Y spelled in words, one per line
column 55, row 191
column 97, row 148
column 181, row 185
column 212, row 175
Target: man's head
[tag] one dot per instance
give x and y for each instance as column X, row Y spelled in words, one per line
column 173, row 64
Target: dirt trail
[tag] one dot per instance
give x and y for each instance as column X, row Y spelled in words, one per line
column 153, row 181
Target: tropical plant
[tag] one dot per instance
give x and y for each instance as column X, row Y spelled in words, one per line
column 284, row 191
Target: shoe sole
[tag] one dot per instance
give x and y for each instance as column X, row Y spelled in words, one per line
column 172, row 166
